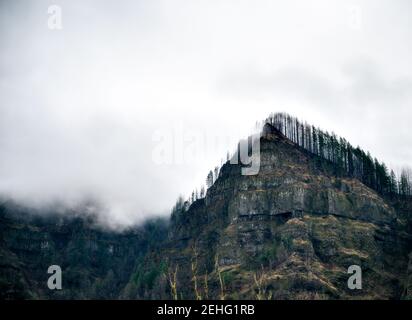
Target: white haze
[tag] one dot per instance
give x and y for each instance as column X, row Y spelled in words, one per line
column 80, row 107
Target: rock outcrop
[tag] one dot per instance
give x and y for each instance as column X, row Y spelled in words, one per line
column 289, row 232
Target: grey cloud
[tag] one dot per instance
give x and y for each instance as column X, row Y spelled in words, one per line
column 371, row 108
column 79, row 107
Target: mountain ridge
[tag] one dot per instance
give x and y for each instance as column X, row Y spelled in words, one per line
column 289, row 232
column 239, row 213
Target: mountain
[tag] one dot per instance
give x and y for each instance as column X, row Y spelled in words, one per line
column 95, row 263
column 289, row 232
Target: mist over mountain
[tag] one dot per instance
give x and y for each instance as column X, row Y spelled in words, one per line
column 289, row 232
column 230, row 149
column 85, row 108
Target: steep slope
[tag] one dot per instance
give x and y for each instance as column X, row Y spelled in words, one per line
column 290, row 232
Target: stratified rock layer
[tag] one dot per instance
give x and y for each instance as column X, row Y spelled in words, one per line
column 290, row 232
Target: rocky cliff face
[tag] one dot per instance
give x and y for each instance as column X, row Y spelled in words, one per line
column 290, row 232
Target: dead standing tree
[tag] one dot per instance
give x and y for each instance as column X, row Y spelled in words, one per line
column 221, row 281
column 172, row 279
column 194, row 272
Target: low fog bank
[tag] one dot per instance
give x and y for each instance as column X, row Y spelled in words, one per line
column 88, row 213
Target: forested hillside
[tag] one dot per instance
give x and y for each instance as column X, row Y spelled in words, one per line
column 317, row 206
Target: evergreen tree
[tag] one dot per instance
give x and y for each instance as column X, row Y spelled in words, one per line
column 216, row 173
column 209, row 179
column 337, row 152
column 393, row 185
column 405, row 183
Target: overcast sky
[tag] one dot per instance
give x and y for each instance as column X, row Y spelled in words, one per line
column 84, row 109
